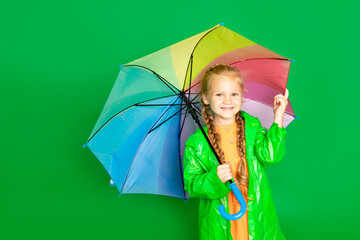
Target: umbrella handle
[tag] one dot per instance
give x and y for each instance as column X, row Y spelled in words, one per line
column 240, row 199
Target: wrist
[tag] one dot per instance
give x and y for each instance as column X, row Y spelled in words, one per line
column 279, row 120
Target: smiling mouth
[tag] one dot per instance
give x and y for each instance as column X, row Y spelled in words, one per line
column 227, row 108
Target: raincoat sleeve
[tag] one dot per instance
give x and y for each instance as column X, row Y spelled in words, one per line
column 200, row 182
column 270, row 145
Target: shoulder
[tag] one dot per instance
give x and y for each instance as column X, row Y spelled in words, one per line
column 197, row 140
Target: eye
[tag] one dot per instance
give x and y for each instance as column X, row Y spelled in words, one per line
column 218, row 94
column 235, row 94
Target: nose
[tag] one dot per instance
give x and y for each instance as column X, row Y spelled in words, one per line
column 227, row 99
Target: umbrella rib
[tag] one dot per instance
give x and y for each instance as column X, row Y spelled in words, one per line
column 197, row 110
column 183, row 122
column 196, row 96
column 191, row 68
column 194, row 103
column 167, row 83
column 190, row 87
column 250, row 59
column 147, row 134
column 152, row 105
column 125, row 110
column 167, row 119
column 191, row 56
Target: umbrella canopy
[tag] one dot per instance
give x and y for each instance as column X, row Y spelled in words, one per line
column 140, row 135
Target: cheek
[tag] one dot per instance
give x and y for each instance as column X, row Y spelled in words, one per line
column 239, row 101
column 218, row 100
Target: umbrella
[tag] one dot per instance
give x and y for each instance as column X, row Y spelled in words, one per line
column 152, row 108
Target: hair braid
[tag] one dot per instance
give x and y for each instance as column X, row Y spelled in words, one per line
column 241, row 171
column 213, row 135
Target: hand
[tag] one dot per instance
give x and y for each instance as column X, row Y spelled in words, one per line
column 280, row 104
column 224, row 172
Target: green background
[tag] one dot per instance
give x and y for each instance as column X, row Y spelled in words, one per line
column 59, row 61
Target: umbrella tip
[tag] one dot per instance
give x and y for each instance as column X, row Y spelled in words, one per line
column 297, row 117
column 121, row 66
column 84, row 145
column 112, row 182
column 292, row 60
column 221, row 24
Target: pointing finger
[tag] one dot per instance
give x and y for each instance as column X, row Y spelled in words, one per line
column 286, row 94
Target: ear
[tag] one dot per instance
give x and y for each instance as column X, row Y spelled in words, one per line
column 205, row 99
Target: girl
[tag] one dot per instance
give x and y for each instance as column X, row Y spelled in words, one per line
column 245, row 147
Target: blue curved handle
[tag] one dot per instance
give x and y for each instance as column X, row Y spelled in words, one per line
column 242, row 202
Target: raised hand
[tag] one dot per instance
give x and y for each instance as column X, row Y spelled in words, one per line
column 280, row 104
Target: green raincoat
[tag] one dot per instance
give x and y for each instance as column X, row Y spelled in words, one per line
column 201, row 180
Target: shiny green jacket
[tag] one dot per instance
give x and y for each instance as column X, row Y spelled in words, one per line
column 263, row 148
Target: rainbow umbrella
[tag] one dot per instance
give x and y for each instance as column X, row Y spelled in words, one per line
column 140, row 135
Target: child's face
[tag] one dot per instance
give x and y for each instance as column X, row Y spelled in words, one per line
column 224, row 97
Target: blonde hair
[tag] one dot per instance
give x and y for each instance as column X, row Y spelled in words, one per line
column 215, row 138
